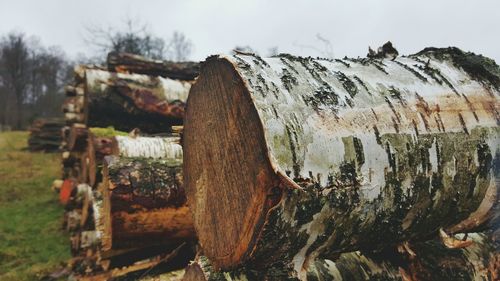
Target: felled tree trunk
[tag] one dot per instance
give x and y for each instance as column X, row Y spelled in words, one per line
column 303, row 158
column 431, row 261
column 142, row 203
column 125, row 146
column 152, row 104
column 125, row 62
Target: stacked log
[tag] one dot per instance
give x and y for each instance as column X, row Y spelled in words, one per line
column 142, row 202
column 139, row 208
column 150, row 103
column 45, row 135
column 125, row 98
column 130, row 63
column 306, row 159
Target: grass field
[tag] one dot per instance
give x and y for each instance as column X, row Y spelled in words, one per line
column 31, row 240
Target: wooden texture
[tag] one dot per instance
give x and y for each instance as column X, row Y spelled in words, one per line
column 125, row 62
column 304, row 158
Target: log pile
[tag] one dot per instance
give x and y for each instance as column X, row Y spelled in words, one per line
column 45, row 135
column 137, row 211
column 305, row 160
column 113, row 223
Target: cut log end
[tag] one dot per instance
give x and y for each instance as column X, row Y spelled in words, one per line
column 235, row 126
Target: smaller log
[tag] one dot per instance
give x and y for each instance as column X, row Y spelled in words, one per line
column 126, row 146
column 125, row 62
column 141, row 202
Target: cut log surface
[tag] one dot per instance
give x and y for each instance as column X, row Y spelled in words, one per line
column 432, row 261
column 142, row 202
column 303, row 158
column 125, row 62
column 150, row 103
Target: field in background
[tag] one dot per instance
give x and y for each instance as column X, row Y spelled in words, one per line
column 32, row 242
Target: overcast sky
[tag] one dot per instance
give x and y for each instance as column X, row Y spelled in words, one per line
column 217, row 26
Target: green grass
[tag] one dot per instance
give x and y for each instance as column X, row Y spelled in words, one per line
column 32, row 242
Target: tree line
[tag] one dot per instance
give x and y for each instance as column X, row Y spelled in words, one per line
column 33, row 76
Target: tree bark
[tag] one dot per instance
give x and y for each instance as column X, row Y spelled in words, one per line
column 125, row 146
column 303, row 158
column 152, row 104
column 149, row 147
column 142, row 202
column 125, row 62
column 432, row 261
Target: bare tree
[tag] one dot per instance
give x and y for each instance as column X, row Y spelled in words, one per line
column 179, row 47
column 133, row 37
column 14, row 72
column 31, row 80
